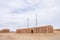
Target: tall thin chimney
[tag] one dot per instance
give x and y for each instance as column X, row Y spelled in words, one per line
column 36, row 19
column 27, row 22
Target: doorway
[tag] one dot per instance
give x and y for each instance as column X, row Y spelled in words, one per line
column 31, row 31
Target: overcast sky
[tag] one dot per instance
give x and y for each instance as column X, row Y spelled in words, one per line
column 14, row 13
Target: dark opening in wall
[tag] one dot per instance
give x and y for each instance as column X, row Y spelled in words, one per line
column 31, row 31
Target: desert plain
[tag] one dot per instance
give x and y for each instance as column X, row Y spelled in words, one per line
column 30, row 36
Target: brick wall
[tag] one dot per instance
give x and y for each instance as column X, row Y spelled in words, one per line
column 5, row 31
column 42, row 29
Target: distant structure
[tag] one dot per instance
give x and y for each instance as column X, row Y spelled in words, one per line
column 4, row 31
column 56, row 29
column 42, row 29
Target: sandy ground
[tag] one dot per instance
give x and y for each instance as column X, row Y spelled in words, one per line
column 34, row 36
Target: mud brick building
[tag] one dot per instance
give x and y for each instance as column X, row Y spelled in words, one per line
column 42, row 29
column 4, row 31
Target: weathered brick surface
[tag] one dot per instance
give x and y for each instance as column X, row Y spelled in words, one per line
column 5, row 31
column 0, row 31
column 50, row 29
column 42, row 29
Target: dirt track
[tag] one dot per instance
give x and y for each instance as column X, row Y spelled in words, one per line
column 26, row 36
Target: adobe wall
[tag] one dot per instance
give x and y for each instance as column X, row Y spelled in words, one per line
column 50, row 29
column 5, row 31
column 45, row 29
column 28, row 30
column 42, row 29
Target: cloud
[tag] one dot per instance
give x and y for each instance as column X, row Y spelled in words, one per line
column 22, row 10
column 27, row 7
column 14, row 13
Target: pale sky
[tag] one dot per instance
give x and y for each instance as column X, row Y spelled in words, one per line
column 14, row 13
